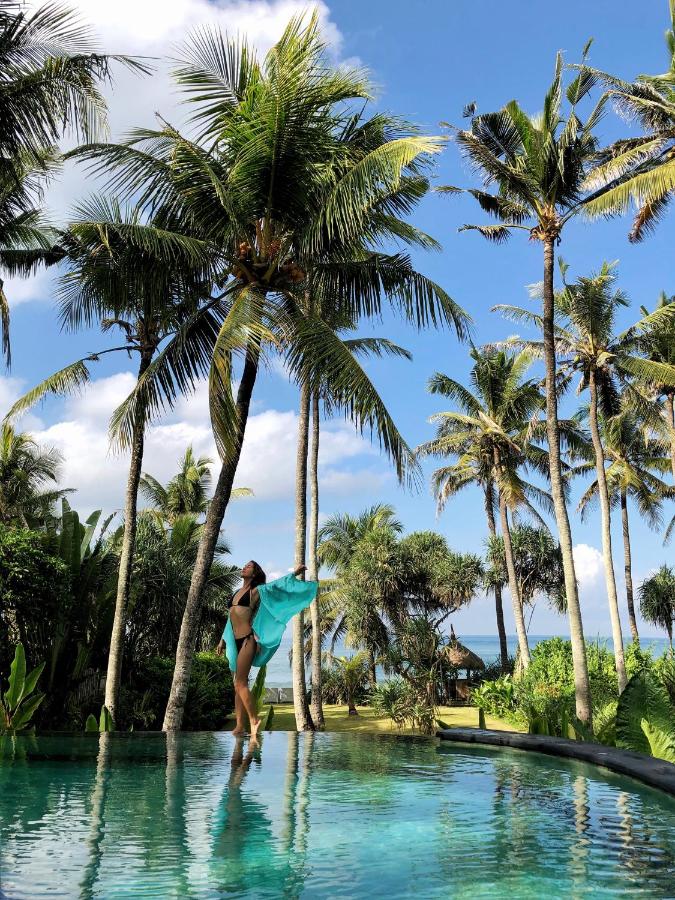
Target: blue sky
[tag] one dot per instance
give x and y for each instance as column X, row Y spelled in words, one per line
column 428, row 60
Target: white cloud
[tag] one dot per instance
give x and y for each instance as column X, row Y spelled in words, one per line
column 588, row 564
column 267, row 462
column 80, row 432
column 129, row 26
column 97, row 403
column 10, row 391
column 27, row 290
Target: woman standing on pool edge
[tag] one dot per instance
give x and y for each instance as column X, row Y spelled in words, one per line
column 258, row 614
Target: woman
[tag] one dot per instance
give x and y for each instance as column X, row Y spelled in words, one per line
column 258, row 615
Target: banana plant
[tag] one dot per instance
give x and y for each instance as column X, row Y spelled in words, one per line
column 18, row 704
column 105, row 722
column 92, row 566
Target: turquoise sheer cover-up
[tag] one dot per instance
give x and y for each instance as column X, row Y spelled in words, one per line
column 280, row 600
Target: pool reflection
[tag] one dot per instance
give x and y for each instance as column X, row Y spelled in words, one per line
column 204, row 815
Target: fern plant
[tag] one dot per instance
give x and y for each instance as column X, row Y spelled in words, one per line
column 645, row 718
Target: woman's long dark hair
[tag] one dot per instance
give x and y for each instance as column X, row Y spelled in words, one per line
column 259, row 576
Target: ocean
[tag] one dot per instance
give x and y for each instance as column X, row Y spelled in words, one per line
column 484, row 645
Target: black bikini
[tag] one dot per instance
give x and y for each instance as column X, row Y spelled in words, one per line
column 244, row 600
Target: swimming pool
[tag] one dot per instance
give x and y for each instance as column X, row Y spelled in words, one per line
column 327, row 815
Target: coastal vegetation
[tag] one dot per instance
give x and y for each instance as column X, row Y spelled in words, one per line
column 274, row 228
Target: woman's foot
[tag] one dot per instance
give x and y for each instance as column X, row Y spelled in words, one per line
column 255, row 725
column 238, row 730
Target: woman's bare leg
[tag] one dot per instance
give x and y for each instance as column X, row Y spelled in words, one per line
column 244, row 662
column 239, row 713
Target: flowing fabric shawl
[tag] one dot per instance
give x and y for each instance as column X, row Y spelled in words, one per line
column 280, row 600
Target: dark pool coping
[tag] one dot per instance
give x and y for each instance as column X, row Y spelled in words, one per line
column 656, row 773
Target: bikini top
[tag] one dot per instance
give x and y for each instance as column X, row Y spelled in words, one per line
column 244, row 600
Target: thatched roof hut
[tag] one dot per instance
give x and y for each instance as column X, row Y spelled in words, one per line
column 460, row 657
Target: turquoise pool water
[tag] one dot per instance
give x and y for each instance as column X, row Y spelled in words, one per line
column 197, row 815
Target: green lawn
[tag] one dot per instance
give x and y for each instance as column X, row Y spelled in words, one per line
column 368, row 721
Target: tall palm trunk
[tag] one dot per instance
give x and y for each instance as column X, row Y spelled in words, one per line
column 313, row 565
column 303, row 720
column 114, row 673
column 372, row 668
column 603, row 494
column 499, row 608
column 173, row 717
column 670, row 419
column 581, row 683
column 628, row 567
column 514, row 588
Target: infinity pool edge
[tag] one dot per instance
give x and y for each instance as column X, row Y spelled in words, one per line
column 656, row 773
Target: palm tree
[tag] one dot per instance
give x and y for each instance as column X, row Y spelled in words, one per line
column 660, row 348
column 491, row 439
column 149, row 282
column 312, row 392
column 338, row 541
column 25, row 237
column 186, row 492
column 538, row 564
column 350, row 674
column 284, row 181
column 341, row 534
column 657, row 600
column 50, row 77
column 387, row 584
column 448, row 481
column 538, row 166
column 636, row 462
column 638, row 171
column 313, row 562
column 25, row 470
column 586, row 342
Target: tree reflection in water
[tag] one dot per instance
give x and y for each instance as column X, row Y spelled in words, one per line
column 94, row 842
column 580, row 848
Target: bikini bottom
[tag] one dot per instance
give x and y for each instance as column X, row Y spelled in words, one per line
column 240, row 641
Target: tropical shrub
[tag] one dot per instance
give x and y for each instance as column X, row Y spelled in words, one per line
column 19, row 701
column 34, row 585
column 637, row 660
column 494, row 670
column 549, row 679
column 645, row 718
column 497, row 697
column 404, row 705
column 210, row 698
column 541, row 698
column 389, row 699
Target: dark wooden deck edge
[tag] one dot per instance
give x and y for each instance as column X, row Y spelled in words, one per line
column 655, row 772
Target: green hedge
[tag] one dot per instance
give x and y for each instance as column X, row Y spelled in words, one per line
column 210, row 696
